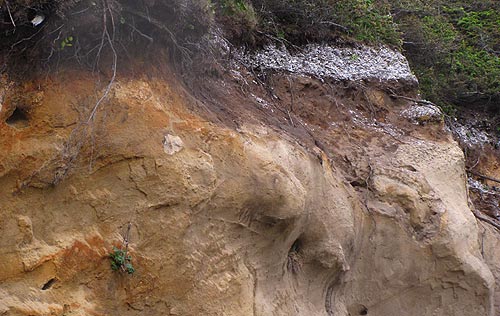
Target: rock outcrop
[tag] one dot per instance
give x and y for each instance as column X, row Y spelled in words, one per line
column 274, row 194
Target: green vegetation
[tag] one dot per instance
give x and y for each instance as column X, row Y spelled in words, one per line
column 302, row 21
column 232, row 7
column 238, row 18
column 67, row 42
column 120, row 261
column 453, row 47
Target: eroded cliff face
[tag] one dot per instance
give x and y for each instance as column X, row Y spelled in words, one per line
column 276, row 193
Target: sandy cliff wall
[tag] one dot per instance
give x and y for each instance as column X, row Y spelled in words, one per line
column 278, row 193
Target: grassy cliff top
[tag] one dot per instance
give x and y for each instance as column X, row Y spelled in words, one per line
column 453, row 46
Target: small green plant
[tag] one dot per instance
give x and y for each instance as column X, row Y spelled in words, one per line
column 67, row 42
column 120, row 261
column 281, row 34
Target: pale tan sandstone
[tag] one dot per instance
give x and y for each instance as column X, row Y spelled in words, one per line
column 234, row 221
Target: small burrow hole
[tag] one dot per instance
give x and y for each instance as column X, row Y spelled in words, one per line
column 18, row 119
column 358, row 183
column 293, row 263
column 363, row 311
column 296, row 246
column 49, row 284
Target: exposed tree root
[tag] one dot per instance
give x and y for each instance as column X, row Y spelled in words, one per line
column 486, row 218
column 483, row 176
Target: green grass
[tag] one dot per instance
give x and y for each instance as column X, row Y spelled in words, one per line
column 453, row 46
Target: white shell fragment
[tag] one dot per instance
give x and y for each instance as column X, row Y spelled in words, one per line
column 172, row 144
column 37, row 20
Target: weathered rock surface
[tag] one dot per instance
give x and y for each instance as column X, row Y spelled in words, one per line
column 317, row 200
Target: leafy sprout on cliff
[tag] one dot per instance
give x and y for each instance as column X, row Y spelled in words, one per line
column 120, row 258
column 120, row 261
